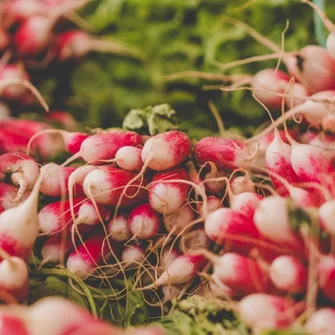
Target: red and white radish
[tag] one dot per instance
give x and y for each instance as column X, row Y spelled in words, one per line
column 242, row 184
column 245, row 203
column 129, row 158
column 54, row 250
column 289, row 274
column 213, row 203
column 132, row 256
column 8, row 196
column 144, row 222
column 327, row 276
column 179, row 220
column 118, row 228
column 321, row 322
column 166, row 194
column 166, row 150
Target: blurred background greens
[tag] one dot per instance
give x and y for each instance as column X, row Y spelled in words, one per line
column 175, row 35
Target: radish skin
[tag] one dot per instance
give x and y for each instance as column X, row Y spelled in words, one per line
column 52, row 252
column 132, row 256
column 144, row 222
column 166, row 150
column 167, row 197
column 245, row 203
column 118, row 228
column 321, row 322
column 8, row 194
column 242, row 184
column 129, row 158
column 179, row 220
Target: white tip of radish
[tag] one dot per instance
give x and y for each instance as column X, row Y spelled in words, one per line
column 132, row 255
column 179, row 220
column 118, row 229
column 330, row 45
column 77, row 265
column 321, row 322
column 242, row 184
column 327, row 214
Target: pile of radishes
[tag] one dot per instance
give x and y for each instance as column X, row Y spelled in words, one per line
column 33, row 34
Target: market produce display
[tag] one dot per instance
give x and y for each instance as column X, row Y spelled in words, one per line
column 143, row 228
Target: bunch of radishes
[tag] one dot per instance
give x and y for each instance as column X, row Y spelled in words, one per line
column 32, row 32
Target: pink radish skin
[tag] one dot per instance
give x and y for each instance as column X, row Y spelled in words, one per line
column 168, row 257
column 326, row 215
column 56, row 216
column 132, row 256
column 46, row 316
column 166, row 150
column 321, row 322
column 118, row 228
column 129, row 158
column 14, row 277
column 8, row 194
column 314, row 68
column 72, row 140
column 180, row 271
column 144, row 222
column 326, row 143
column 224, row 153
column 51, row 250
column 16, row 11
column 245, row 203
column 106, row 184
column 260, row 307
column 167, row 197
column 289, row 274
column 65, row 119
column 226, row 226
column 13, row 71
column 219, row 289
column 194, row 240
column 327, row 276
column 278, row 161
column 86, row 257
column 330, row 45
column 296, row 95
column 23, row 170
column 19, row 225
column 104, row 146
column 12, row 325
column 177, row 221
column 242, row 184
column 241, row 274
column 267, row 83
column 87, row 214
column 56, row 182
column 272, row 221
column 213, row 203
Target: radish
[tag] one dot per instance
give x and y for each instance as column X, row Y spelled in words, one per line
column 166, row 150
column 297, row 95
column 232, row 229
column 289, row 274
column 84, row 259
column 171, row 292
column 330, row 45
column 224, row 153
column 53, row 250
column 179, row 220
column 267, row 84
column 313, row 110
column 23, row 170
column 56, row 216
column 132, row 256
column 144, row 222
column 213, row 203
column 4, row 112
column 166, row 195
column 104, row 146
column 272, row 220
column 63, row 118
column 8, row 196
column 326, row 215
column 194, row 240
column 314, row 68
column 19, row 225
column 324, row 142
column 77, row 44
column 243, row 275
column 242, row 184
column 46, row 316
column 321, row 322
column 107, row 184
column 214, row 182
column 327, row 276
column 118, row 228
column 259, row 307
column 4, row 39
column 13, row 71
column 89, row 214
column 72, row 140
column 56, row 181
column 12, row 324
column 14, row 276
column 168, row 256
column 129, row 158
column 245, row 203
column 182, row 270
column 219, row 289
column 16, row 11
